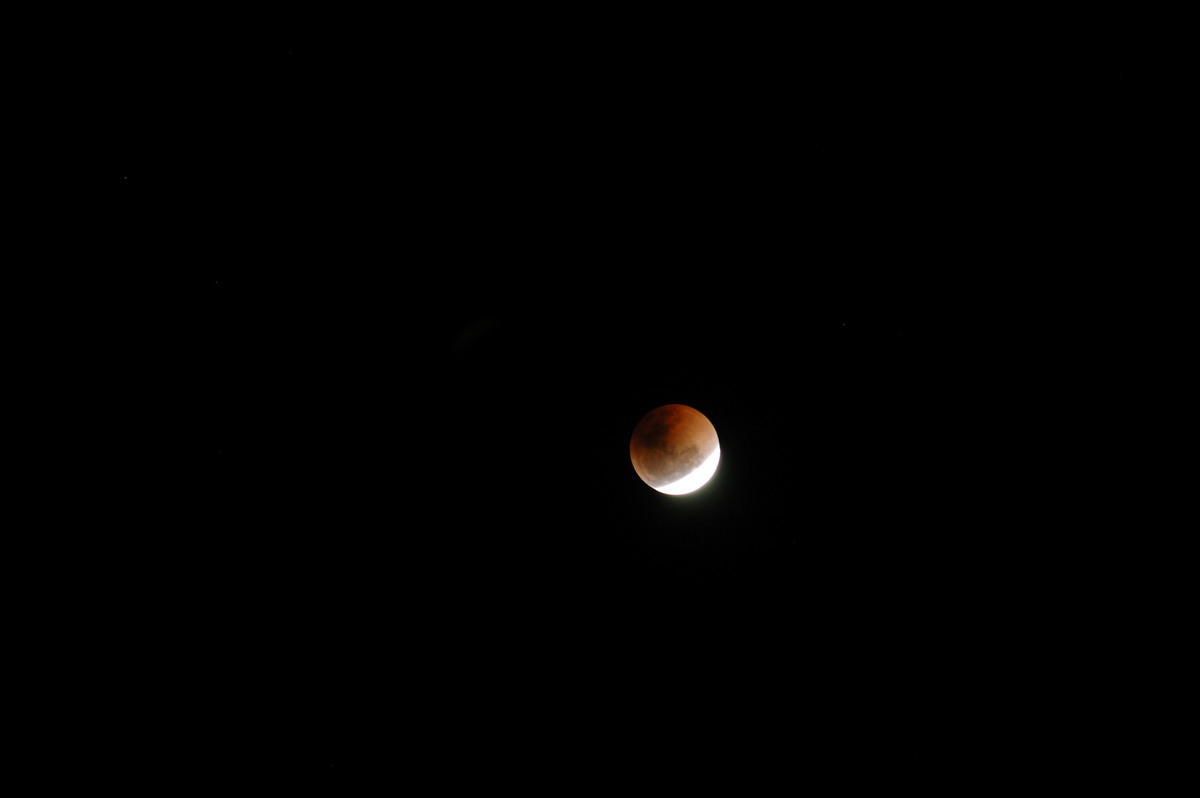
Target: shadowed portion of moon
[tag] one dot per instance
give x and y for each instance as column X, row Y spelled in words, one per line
column 670, row 443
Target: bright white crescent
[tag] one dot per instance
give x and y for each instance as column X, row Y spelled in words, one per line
column 696, row 479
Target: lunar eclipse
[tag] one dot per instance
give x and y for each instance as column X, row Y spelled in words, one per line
column 674, row 449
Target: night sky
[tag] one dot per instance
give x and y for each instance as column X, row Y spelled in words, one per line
column 446, row 270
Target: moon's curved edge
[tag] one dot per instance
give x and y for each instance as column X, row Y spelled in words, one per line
column 697, row 479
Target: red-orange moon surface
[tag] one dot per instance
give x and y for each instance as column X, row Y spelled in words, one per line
column 674, row 449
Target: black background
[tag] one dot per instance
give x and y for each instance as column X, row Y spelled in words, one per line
column 449, row 265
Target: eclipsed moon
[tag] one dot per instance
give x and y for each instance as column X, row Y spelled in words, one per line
column 674, row 449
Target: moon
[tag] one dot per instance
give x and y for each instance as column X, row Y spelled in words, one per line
column 674, row 449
